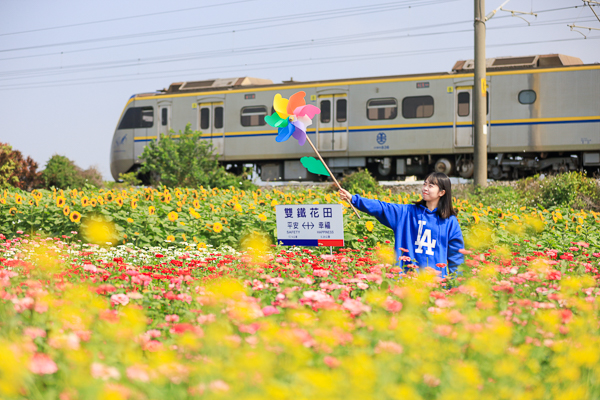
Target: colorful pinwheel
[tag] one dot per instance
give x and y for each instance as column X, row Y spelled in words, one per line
column 291, row 117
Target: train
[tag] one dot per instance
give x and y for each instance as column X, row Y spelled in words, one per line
column 543, row 116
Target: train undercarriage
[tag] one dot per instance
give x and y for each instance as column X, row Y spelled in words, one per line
column 501, row 166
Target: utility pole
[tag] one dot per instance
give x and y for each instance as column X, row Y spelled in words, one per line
column 479, row 98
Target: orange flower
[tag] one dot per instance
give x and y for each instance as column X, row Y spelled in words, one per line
column 75, row 216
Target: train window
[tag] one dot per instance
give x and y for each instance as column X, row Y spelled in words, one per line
column 382, row 109
column 164, row 116
column 204, row 118
column 325, row 111
column 218, row 117
column 254, row 116
column 341, row 110
column 137, row 117
column 417, row 107
column 527, row 97
column 464, row 104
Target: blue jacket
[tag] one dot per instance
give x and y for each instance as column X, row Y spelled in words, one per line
column 429, row 239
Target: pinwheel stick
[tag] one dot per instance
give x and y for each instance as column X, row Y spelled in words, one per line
column 328, row 170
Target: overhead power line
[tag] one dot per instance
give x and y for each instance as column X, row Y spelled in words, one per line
column 296, row 45
column 291, row 19
column 293, row 63
column 124, row 18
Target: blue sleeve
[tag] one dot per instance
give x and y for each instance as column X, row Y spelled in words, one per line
column 387, row 213
column 455, row 243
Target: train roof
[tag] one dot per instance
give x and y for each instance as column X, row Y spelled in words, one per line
column 460, row 67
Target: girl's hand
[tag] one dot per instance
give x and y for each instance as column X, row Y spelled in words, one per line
column 345, row 195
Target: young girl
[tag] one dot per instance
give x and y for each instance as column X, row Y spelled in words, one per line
column 428, row 228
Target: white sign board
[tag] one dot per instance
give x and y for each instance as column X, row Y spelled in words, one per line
column 310, row 225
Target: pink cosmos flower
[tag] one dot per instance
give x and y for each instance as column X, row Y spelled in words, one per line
column 104, row 372
column 320, row 273
column 34, row 332
column 355, row 306
column 120, row 298
column 42, row 364
column 388, row 347
column 138, row 373
column 362, row 285
column 172, row 318
column 268, row 310
column 332, row 362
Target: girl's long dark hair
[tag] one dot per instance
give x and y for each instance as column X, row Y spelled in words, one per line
column 444, row 208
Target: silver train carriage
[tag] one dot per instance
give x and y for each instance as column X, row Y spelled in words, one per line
column 543, row 115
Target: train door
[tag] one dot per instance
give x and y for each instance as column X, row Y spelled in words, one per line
column 463, row 116
column 143, row 123
column 211, row 123
column 164, row 119
column 332, row 125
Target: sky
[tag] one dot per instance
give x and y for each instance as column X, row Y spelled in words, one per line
column 67, row 68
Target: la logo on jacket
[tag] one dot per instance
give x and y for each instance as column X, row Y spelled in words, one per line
column 424, row 239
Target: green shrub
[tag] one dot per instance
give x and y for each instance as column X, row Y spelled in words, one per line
column 360, row 181
column 62, row 173
column 572, row 189
column 187, row 161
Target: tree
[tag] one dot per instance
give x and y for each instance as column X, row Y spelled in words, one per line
column 18, row 171
column 186, row 161
column 62, row 173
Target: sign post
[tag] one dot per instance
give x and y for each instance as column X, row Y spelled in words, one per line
column 310, row 225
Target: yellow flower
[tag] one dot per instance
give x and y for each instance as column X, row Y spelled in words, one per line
column 18, row 199
column 369, row 225
column 130, row 220
column 85, row 201
column 100, row 200
column 170, row 238
column 237, row 207
column 201, row 246
column 60, row 201
column 93, row 202
column 134, row 203
column 262, row 217
column 184, row 237
column 75, row 216
column 151, row 210
column 66, row 210
column 274, row 203
column 217, row 227
column 119, row 201
column 12, row 211
column 196, row 204
column 172, row 216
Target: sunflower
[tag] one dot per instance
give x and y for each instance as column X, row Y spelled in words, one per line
column 170, row 238
column 369, row 225
column 12, row 211
column 237, row 207
column 66, row 211
column 18, row 199
column 173, row 216
column 151, row 210
column 262, row 217
column 60, row 201
column 119, row 201
column 100, row 200
column 130, row 220
column 134, row 203
column 109, row 196
column 85, row 201
column 196, row 204
column 217, row 227
column 75, row 216
column 93, row 202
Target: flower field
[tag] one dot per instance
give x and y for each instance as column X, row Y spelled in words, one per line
column 179, row 306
